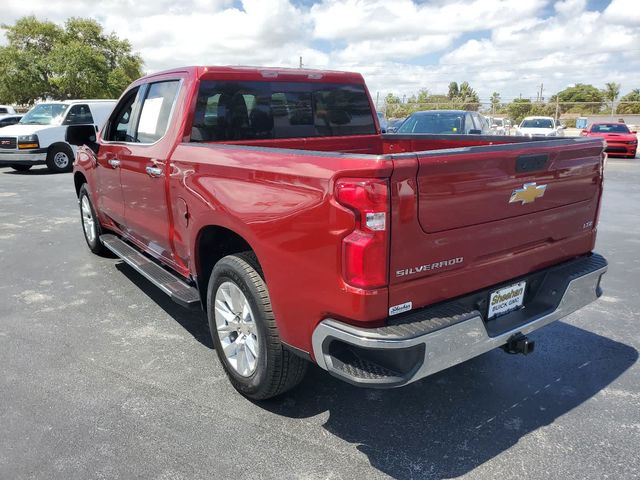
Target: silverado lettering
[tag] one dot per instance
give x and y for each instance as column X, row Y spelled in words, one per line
column 428, row 267
column 270, row 199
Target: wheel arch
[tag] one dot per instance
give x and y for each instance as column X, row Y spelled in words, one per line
column 214, row 242
column 78, row 180
column 63, row 145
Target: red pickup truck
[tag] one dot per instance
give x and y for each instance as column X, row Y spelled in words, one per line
column 270, row 198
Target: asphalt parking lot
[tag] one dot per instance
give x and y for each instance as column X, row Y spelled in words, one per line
column 104, row 377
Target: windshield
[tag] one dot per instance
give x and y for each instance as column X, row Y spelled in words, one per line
column 45, row 114
column 433, row 122
column 537, row 123
column 498, row 122
column 610, row 128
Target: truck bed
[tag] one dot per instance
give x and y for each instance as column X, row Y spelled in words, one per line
column 393, row 143
column 453, row 228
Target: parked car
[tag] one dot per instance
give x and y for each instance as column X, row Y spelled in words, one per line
column 540, row 127
column 393, row 124
column 458, row 122
column 7, row 120
column 309, row 236
column 382, row 122
column 498, row 126
column 40, row 136
column 620, row 140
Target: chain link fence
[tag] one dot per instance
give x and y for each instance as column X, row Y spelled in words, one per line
column 568, row 112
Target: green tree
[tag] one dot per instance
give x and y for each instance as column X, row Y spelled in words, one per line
column 495, row 102
column 78, row 60
column 582, row 98
column 468, row 97
column 454, row 91
column 611, row 93
column 625, row 105
column 519, row 108
column 394, row 108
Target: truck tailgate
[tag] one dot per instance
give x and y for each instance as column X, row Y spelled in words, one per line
column 465, row 219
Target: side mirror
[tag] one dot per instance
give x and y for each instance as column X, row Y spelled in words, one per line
column 383, row 130
column 82, row 135
column 584, row 132
column 634, row 131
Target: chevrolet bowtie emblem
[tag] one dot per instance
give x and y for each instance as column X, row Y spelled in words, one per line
column 528, row 193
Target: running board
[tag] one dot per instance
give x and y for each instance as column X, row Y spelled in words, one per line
column 177, row 289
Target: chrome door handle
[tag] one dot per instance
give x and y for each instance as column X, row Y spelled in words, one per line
column 114, row 162
column 154, row 171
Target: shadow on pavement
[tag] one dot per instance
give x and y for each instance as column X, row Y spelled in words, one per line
column 447, row 425
column 37, row 170
column 450, row 423
column 193, row 321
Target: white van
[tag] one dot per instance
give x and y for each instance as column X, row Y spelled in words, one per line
column 40, row 136
column 6, row 110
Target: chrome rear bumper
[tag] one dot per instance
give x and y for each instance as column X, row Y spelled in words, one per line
column 447, row 334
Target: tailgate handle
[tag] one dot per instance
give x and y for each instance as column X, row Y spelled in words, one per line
column 531, row 163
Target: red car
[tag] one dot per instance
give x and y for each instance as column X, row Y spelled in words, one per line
column 620, row 140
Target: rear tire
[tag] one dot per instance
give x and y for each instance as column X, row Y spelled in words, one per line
column 90, row 224
column 21, row 168
column 60, row 159
column 244, row 331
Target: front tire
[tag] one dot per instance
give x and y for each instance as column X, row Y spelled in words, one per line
column 244, row 331
column 20, row 168
column 90, row 223
column 60, row 159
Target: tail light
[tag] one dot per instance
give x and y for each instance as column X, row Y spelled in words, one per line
column 365, row 250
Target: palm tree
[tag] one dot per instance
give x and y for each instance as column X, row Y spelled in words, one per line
column 611, row 93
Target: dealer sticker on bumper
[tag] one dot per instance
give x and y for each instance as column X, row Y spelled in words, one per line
column 506, row 299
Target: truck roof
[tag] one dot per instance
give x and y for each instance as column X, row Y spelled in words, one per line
column 264, row 73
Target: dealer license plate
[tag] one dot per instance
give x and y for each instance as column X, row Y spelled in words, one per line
column 506, row 299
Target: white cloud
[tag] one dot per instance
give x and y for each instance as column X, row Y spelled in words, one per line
column 400, row 46
column 623, row 12
column 358, row 19
column 570, row 7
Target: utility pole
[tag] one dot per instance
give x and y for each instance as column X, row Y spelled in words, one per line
column 377, row 99
column 613, row 109
column 301, row 61
column 540, row 94
column 557, row 107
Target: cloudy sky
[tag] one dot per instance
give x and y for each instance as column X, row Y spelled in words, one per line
column 509, row 46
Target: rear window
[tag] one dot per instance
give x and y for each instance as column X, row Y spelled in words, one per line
column 537, row 123
column 435, row 123
column 610, row 128
column 261, row 110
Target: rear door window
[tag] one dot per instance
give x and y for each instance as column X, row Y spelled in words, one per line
column 79, row 115
column 261, row 110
